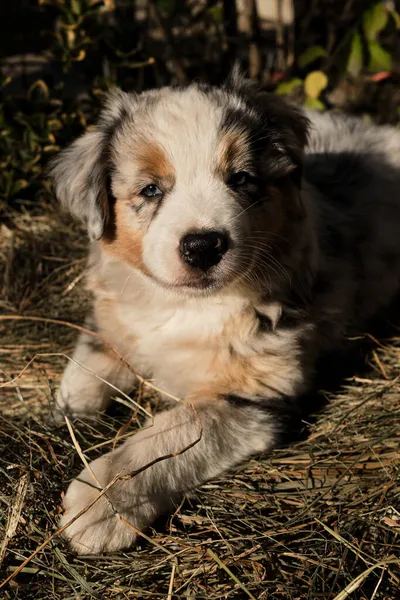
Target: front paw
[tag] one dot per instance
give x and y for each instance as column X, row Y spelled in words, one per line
column 99, row 529
column 77, row 408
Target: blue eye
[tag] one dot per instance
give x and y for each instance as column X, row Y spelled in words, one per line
column 239, row 179
column 151, row 191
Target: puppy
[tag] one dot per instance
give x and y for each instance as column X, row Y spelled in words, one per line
column 234, row 240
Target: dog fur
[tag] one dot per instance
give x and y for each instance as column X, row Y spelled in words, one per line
column 314, row 252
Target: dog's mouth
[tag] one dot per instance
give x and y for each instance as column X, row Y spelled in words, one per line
column 194, row 281
column 194, row 284
column 199, row 284
column 209, row 283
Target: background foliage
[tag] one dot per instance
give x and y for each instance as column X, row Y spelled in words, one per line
column 60, row 56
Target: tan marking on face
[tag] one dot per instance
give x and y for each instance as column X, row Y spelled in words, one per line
column 152, row 162
column 232, row 152
column 124, row 242
column 121, row 239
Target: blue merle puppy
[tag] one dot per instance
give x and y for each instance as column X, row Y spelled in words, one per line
column 234, row 240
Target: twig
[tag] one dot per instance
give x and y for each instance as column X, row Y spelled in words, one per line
column 172, row 454
column 59, row 531
column 93, row 474
column 171, row 582
column 47, row 354
column 378, row 585
column 355, row 584
column 89, row 332
column 380, row 365
column 118, row 477
column 77, row 576
column 357, row 551
column 370, row 397
column 124, row 428
column 79, row 451
column 231, row 575
column 15, row 513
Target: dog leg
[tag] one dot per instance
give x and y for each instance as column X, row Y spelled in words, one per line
column 229, row 434
column 85, row 389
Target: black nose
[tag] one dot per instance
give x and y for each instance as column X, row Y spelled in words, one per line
column 203, row 250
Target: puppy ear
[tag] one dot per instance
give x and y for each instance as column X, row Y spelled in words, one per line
column 285, row 125
column 287, row 128
column 79, row 175
column 81, row 172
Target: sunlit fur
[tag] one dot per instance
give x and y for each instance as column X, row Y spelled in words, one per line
column 314, row 252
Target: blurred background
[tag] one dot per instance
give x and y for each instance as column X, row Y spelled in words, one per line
column 58, row 57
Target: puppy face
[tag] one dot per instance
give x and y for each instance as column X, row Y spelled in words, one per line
column 196, row 187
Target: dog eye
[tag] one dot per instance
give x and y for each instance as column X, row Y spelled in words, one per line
column 151, row 191
column 239, row 179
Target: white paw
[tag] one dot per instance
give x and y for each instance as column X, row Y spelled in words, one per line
column 99, row 529
column 78, row 407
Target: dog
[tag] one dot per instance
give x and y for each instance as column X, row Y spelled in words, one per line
column 234, row 240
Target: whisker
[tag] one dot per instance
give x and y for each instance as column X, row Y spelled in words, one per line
column 261, row 246
column 268, row 261
column 272, row 233
column 257, row 276
column 243, row 211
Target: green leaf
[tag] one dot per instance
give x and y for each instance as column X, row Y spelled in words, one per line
column 379, row 58
column 314, row 103
column 286, row 87
column 375, row 20
column 355, row 60
column 310, row 55
column 76, row 7
column 314, row 83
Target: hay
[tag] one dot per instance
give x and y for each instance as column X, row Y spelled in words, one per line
column 318, row 519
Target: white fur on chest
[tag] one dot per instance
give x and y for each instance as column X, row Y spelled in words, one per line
column 175, row 341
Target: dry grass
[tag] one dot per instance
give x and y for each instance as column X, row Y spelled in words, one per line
column 318, row 519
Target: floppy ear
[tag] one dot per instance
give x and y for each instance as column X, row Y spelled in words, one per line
column 81, row 172
column 79, row 175
column 285, row 125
